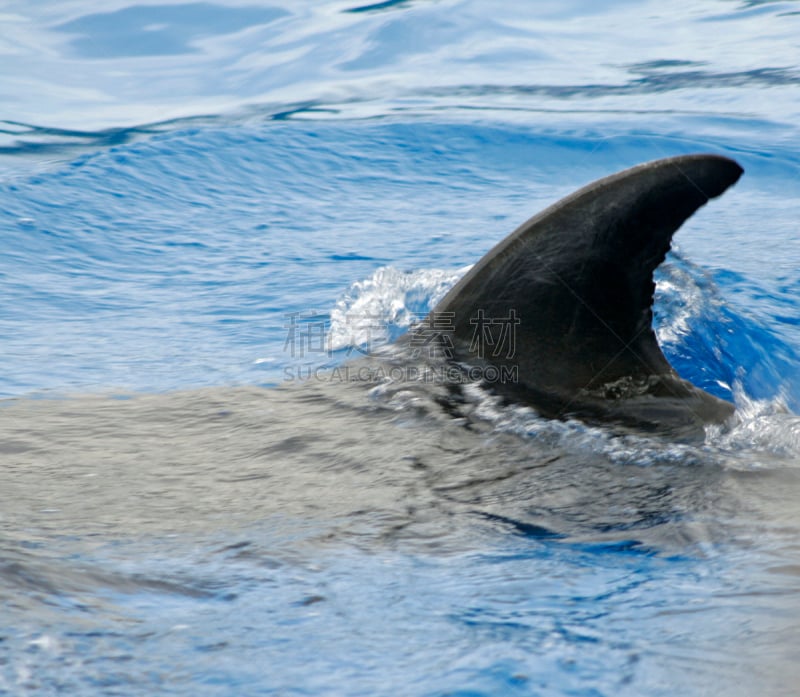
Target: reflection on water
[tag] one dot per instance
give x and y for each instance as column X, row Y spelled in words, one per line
column 74, row 67
column 159, row 30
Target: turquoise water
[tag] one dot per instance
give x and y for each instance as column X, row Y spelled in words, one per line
column 178, row 181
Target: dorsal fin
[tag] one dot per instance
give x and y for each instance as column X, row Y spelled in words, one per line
column 578, row 277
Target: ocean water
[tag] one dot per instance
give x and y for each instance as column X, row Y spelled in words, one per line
column 192, row 503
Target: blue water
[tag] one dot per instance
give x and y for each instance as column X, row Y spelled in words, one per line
column 177, row 181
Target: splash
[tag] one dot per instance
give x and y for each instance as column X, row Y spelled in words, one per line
column 765, row 434
column 379, row 309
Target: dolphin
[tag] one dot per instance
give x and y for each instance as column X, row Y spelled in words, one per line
column 572, row 288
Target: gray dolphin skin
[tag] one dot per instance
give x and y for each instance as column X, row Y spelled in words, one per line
column 576, row 281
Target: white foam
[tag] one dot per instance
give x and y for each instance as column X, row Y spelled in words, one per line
column 378, row 309
column 681, row 299
column 762, row 427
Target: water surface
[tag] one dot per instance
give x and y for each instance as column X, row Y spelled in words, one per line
column 179, row 515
